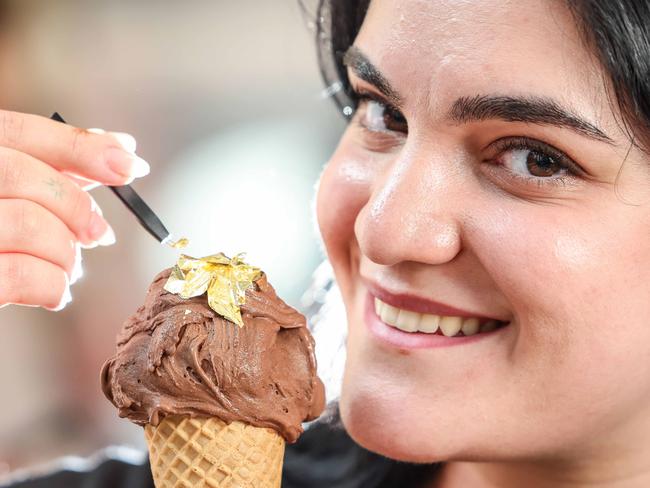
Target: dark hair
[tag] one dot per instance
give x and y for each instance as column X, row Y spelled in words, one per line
column 617, row 32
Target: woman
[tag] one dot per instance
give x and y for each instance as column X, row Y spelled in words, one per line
column 496, row 167
column 493, row 186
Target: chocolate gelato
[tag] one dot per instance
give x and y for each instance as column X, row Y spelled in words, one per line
column 177, row 356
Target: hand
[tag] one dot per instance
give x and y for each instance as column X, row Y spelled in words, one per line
column 46, row 169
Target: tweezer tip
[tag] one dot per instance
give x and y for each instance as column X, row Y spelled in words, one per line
column 168, row 240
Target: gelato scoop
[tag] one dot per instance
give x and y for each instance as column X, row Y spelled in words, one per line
column 178, row 357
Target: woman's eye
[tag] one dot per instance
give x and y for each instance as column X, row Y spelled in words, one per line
column 534, row 162
column 529, row 162
column 377, row 116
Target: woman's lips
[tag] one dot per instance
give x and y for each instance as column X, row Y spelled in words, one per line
column 415, row 340
column 422, row 305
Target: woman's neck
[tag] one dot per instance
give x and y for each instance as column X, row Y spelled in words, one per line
column 613, row 473
column 618, row 458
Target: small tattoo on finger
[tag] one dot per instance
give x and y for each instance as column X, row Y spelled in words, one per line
column 56, row 187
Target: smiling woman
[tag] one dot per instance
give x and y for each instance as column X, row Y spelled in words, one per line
column 491, row 248
column 486, row 215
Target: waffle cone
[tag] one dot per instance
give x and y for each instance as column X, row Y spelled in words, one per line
column 207, row 452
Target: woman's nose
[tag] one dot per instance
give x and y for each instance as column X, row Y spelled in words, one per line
column 413, row 213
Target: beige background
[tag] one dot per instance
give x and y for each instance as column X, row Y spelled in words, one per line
column 225, row 100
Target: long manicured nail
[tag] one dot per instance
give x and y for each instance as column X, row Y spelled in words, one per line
column 77, row 269
column 65, row 299
column 140, row 167
column 96, row 226
column 127, row 141
column 126, row 164
column 99, row 231
column 94, row 207
column 108, row 239
column 67, row 295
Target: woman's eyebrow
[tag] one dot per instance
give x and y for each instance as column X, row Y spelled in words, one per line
column 358, row 62
column 528, row 109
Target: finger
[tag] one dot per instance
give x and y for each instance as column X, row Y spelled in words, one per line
column 105, row 157
column 28, row 280
column 23, row 177
column 37, row 232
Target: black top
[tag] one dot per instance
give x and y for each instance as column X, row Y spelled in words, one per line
column 324, row 457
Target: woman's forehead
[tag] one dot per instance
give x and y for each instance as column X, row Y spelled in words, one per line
column 435, row 51
column 473, row 21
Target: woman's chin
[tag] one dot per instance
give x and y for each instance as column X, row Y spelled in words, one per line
column 374, row 423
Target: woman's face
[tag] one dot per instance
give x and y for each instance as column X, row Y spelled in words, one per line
column 462, row 189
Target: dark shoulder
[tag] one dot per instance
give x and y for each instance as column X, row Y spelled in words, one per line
column 326, row 457
column 110, row 468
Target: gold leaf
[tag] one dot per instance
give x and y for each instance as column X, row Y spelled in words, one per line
column 224, row 279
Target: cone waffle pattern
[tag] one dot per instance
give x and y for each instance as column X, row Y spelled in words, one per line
column 207, row 452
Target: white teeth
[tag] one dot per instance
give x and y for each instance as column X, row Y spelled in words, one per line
column 389, row 314
column 450, row 326
column 407, row 321
column 470, row 326
column 489, row 326
column 378, row 306
column 410, row 321
column 429, row 323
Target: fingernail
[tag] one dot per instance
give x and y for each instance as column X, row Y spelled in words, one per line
column 94, row 207
column 77, row 269
column 99, row 231
column 108, row 239
column 126, row 164
column 67, row 296
column 65, row 299
column 96, row 226
column 140, row 167
column 127, row 141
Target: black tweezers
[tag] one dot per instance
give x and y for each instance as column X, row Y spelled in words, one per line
column 147, row 218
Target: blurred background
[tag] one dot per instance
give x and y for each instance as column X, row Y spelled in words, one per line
column 226, row 103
